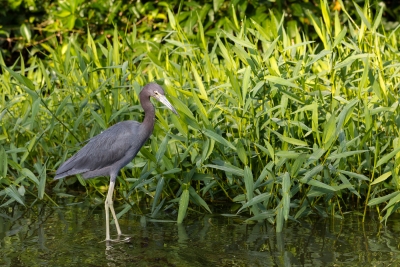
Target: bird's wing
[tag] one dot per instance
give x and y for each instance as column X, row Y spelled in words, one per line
column 103, row 150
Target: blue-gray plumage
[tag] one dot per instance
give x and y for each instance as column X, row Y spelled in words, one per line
column 107, row 153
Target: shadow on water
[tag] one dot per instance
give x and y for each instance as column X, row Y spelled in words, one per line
column 72, row 235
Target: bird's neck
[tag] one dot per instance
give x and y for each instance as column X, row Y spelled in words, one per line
column 149, row 115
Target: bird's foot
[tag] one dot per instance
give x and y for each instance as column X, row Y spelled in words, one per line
column 120, row 239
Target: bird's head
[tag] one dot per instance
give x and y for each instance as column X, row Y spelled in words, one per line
column 154, row 90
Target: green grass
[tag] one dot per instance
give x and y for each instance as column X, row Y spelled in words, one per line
column 280, row 124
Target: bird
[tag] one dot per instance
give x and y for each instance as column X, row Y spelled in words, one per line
column 108, row 152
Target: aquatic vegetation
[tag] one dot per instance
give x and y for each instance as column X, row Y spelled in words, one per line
column 279, row 123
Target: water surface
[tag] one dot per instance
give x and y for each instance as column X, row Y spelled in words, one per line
column 72, row 235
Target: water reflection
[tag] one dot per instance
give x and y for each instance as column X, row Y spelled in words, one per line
column 72, row 235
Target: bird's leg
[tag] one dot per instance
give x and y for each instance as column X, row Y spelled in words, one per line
column 113, row 213
column 106, row 207
column 109, row 205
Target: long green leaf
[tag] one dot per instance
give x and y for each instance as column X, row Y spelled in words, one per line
column 159, row 189
column 161, row 150
column 249, row 183
column 255, row 200
column 346, row 154
column 219, row 139
column 183, row 205
column 387, row 157
column 281, row 81
column 3, row 162
column 227, row 168
column 354, row 175
column 42, row 182
column 198, row 199
column 382, row 178
column 379, row 200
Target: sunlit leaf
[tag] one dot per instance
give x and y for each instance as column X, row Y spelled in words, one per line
column 183, row 205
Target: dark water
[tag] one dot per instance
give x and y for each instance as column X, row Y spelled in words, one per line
column 72, row 235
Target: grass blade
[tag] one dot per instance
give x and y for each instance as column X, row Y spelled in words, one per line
column 183, row 205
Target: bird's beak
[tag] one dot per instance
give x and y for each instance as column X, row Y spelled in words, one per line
column 165, row 101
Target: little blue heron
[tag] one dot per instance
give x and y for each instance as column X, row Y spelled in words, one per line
column 107, row 153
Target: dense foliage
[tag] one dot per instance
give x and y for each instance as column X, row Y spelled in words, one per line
column 285, row 124
column 26, row 26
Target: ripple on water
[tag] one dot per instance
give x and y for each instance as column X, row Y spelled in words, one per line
column 72, row 235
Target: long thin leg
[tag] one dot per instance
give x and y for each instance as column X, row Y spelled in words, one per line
column 109, row 205
column 115, row 216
